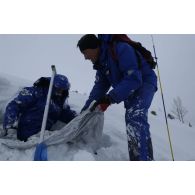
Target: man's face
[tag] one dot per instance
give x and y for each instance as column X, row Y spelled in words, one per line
column 60, row 94
column 91, row 54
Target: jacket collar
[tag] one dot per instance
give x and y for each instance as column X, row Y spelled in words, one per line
column 102, row 61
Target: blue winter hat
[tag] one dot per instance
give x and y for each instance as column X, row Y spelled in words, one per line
column 61, row 81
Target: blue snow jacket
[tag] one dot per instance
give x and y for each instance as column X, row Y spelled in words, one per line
column 28, row 107
column 123, row 75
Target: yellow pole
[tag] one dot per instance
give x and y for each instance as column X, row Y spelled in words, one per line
column 171, row 148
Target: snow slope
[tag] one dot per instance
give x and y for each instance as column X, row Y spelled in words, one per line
column 113, row 146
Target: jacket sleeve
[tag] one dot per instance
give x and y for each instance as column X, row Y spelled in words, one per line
column 18, row 105
column 67, row 114
column 132, row 78
column 100, row 88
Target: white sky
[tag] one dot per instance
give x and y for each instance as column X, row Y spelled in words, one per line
column 30, row 57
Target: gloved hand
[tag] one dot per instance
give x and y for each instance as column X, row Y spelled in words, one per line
column 103, row 103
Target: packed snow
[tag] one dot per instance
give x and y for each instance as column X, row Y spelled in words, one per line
column 113, row 144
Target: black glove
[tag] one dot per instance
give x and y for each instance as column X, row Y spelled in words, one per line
column 103, row 103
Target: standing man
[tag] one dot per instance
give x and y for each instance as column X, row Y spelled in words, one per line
column 133, row 81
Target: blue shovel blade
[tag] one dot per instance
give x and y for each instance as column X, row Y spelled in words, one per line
column 40, row 152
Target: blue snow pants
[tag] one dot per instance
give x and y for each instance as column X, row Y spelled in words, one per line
column 136, row 118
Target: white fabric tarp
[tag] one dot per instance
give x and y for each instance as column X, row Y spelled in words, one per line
column 86, row 127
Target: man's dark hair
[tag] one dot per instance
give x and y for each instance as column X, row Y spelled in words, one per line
column 88, row 41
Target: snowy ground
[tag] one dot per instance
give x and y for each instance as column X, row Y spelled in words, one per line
column 113, row 146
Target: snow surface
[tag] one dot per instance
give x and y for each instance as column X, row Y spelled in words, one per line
column 113, row 146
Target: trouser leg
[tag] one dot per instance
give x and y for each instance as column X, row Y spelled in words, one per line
column 137, row 126
column 139, row 140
